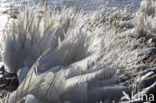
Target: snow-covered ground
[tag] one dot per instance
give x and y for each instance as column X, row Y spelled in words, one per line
column 87, row 5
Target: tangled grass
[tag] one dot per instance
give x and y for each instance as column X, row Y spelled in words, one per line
column 70, row 56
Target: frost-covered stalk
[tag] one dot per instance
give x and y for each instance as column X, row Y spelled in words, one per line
column 30, row 35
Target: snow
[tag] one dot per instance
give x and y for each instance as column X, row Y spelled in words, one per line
column 1, row 94
column 85, row 4
column 145, row 52
column 3, row 19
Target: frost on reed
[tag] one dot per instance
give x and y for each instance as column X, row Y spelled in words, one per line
column 69, row 56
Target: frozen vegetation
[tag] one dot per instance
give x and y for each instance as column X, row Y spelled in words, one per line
column 79, row 55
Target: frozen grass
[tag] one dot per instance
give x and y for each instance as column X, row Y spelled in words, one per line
column 65, row 55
